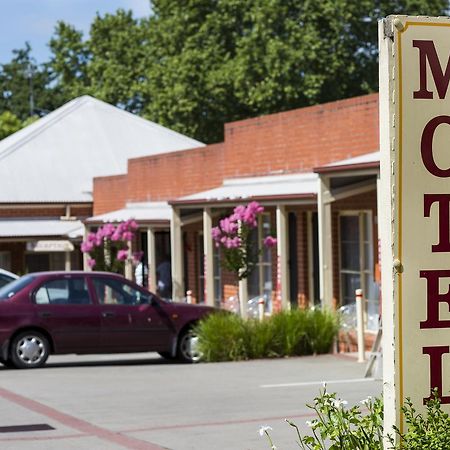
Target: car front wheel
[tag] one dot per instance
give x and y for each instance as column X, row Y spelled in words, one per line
column 29, row 350
column 188, row 347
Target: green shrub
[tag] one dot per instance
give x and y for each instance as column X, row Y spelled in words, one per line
column 222, row 337
column 430, row 431
column 227, row 337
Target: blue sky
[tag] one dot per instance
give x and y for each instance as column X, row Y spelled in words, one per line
column 34, row 20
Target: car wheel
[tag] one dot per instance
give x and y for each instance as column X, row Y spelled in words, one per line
column 29, row 350
column 188, row 348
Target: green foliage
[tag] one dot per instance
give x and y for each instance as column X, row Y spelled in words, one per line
column 222, row 337
column 227, row 337
column 430, row 431
column 9, row 123
column 27, row 89
column 339, row 428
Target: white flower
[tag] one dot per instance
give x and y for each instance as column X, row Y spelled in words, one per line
column 264, row 429
column 311, row 423
column 339, row 403
column 324, row 384
column 366, row 401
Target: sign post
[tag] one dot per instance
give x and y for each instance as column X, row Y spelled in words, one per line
column 415, row 229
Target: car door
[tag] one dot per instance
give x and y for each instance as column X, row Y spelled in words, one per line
column 130, row 321
column 64, row 307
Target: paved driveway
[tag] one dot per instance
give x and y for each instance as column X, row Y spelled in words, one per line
column 140, row 401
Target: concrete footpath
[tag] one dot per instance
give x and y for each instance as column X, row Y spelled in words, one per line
column 140, row 401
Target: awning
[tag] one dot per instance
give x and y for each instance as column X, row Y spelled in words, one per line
column 367, row 161
column 38, row 228
column 141, row 212
column 275, row 187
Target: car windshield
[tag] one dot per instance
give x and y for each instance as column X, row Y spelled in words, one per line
column 15, row 286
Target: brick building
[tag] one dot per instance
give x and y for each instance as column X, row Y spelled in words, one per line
column 314, row 170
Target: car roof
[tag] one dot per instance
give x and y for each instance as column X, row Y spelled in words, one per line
column 74, row 272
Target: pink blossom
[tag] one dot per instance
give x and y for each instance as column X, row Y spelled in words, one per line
column 216, row 233
column 127, row 236
column 91, row 237
column 238, row 213
column 86, row 247
column 108, row 230
column 122, row 255
column 132, row 225
column 91, row 263
column 270, row 241
column 228, row 226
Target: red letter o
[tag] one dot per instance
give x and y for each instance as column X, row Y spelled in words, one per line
column 426, row 146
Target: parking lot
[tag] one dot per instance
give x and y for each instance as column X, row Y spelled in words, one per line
column 140, row 401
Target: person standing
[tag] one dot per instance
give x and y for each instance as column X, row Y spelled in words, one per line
column 164, row 275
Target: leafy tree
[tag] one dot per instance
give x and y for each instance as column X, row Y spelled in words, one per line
column 26, row 87
column 221, row 60
column 9, row 124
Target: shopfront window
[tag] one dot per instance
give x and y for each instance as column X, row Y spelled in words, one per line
column 357, row 262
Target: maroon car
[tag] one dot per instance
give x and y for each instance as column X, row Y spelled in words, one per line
column 90, row 312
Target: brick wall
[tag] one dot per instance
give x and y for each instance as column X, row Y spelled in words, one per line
column 110, row 193
column 298, row 140
column 175, row 174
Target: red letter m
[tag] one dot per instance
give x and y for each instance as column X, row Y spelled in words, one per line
column 427, row 51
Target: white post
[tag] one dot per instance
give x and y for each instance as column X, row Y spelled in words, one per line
column 128, row 263
column 67, row 262
column 243, row 297
column 360, row 324
column 282, row 255
column 208, row 253
column 325, row 243
column 176, row 239
column 261, row 309
column 385, row 215
column 151, row 259
column 189, row 297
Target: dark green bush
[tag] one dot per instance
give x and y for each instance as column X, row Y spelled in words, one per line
column 227, row 337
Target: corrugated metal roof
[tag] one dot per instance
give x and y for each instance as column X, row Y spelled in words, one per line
column 38, row 227
column 142, row 212
column 259, row 187
column 56, row 158
column 362, row 159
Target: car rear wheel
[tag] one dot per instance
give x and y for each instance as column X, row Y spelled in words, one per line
column 29, row 350
column 188, row 347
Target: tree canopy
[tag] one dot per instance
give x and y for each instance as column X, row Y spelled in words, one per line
column 194, row 65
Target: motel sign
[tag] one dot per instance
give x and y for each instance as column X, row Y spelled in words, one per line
column 415, row 210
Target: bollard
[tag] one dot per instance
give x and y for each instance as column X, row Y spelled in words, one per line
column 261, row 308
column 189, row 297
column 360, row 324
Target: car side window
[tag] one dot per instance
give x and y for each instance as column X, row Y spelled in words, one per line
column 116, row 292
column 63, row 291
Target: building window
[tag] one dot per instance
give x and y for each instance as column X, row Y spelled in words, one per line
column 5, row 260
column 260, row 279
column 357, row 262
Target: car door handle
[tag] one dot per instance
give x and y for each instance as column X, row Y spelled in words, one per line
column 108, row 314
column 45, row 314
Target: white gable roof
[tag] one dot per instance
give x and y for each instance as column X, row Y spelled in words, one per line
column 56, row 158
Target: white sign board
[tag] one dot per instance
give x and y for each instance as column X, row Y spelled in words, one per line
column 415, row 178
column 50, row 246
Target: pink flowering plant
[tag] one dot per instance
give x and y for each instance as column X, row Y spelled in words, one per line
column 108, row 248
column 233, row 235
